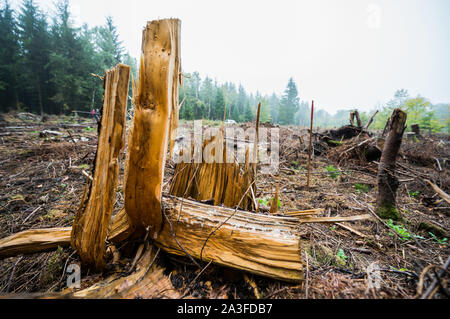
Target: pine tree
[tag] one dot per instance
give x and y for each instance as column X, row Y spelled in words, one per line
column 69, row 65
column 9, row 57
column 274, row 105
column 109, row 46
column 219, row 105
column 289, row 103
column 35, row 41
column 248, row 114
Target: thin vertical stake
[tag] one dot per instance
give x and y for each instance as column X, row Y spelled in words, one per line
column 310, row 146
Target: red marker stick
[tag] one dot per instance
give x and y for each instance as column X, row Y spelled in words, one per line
column 310, row 146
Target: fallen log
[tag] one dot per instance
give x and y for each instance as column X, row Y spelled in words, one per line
column 260, row 244
column 92, row 219
column 34, row 241
column 155, row 97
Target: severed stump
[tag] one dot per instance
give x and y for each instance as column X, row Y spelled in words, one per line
column 231, row 184
column 92, row 219
column 155, row 97
column 387, row 181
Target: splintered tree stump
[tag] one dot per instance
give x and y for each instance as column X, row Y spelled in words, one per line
column 416, row 129
column 155, row 97
column 352, row 119
column 387, row 181
column 230, row 184
column 92, row 219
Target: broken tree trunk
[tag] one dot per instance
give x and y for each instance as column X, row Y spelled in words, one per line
column 369, row 122
column 352, row 119
column 147, row 281
column 416, row 129
column 264, row 245
column 387, row 181
column 155, row 98
column 230, row 184
column 92, row 219
column 34, row 241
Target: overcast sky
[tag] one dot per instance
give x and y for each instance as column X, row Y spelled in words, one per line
column 341, row 53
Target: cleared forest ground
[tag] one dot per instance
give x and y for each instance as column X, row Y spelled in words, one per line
column 42, row 181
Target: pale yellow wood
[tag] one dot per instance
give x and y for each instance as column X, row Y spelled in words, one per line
column 155, row 97
column 146, row 282
column 34, row 241
column 441, row 193
column 92, row 219
column 260, row 244
column 333, row 219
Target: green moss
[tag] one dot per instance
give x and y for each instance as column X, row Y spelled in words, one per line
column 325, row 256
column 389, row 212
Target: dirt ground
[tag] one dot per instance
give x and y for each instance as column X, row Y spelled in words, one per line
column 42, row 180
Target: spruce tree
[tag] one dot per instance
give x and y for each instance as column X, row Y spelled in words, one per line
column 35, row 40
column 289, row 103
column 9, row 57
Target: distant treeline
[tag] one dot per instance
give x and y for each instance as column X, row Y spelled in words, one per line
column 46, row 66
column 206, row 99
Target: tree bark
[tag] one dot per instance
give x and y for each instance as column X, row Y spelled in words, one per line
column 416, row 129
column 155, row 98
column 92, row 220
column 34, row 241
column 387, row 181
column 358, row 119
column 264, row 245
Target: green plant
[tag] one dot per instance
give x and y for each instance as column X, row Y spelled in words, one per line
column 268, row 201
column 341, row 254
column 401, row 269
column 294, row 164
column 440, row 241
column 89, row 129
column 413, row 194
column 403, row 233
column 362, row 188
column 263, row 201
column 333, row 171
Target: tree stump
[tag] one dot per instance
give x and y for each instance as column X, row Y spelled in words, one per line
column 155, row 97
column 92, row 219
column 387, row 181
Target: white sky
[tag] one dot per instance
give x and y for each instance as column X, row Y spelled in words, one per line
column 343, row 54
